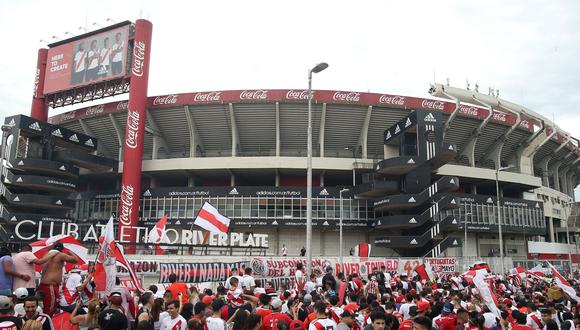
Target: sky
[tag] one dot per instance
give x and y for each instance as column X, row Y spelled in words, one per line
column 529, row 50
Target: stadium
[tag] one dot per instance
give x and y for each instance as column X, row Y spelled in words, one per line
column 245, row 152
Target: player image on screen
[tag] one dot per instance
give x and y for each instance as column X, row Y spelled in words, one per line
column 80, row 65
column 118, row 47
column 105, row 59
column 93, row 61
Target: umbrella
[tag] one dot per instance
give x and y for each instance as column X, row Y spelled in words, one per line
column 42, row 247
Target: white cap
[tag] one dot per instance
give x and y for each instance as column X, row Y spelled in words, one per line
column 21, row 293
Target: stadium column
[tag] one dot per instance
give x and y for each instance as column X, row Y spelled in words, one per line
column 134, row 133
column 39, row 110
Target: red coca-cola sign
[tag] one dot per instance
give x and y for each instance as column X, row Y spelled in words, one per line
column 138, row 58
column 433, row 104
column 254, row 95
column 207, row 97
column 298, row 95
column 346, row 96
column 469, row 111
column 499, row 116
column 165, row 100
column 392, row 99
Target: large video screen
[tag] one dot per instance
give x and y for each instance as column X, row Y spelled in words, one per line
column 85, row 61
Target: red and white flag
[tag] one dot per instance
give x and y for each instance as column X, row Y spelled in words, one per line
column 482, row 283
column 211, row 220
column 109, row 255
column 425, row 272
column 563, row 283
column 518, row 274
column 157, row 235
column 362, row 250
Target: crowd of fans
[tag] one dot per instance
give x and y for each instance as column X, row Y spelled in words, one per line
column 329, row 301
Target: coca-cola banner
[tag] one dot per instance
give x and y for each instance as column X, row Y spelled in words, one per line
column 297, row 95
column 134, row 133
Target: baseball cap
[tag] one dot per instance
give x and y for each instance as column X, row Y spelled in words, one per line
column 307, row 298
column 20, row 293
column 423, row 306
column 447, row 308
column 276, row 303
column 5, row 303
column 413, row 310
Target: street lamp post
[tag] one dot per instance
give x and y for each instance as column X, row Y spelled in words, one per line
column 499, row 220
column 316, row 69
column 340, row 229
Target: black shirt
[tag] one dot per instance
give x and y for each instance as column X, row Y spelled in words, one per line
column 112, row 319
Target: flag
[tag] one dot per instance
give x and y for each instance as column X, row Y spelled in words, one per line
column 157, row 235
column 425, row 272
column 211, row 220
column 563, row 283
column 518, row 275
column 429, row 270
column 481, row 281
column 109, row 255
column 362, row 250
column 105, row 268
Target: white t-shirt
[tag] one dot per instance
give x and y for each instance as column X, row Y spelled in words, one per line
column 327, row 324
column 490, row 320
column 178, row 323
column 215, row 323
column 248, row 282
column 299, row 277
column 227, row 284
column 404, row 309
column 162, row 316
column 309, row 286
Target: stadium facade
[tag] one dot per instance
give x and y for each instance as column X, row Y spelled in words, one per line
column 245, row 152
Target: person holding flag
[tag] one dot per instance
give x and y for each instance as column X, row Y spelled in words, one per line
column 158, row 235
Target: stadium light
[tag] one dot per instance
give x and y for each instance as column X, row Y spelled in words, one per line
column 316, row 69
column 499, row 220
column 340, row 259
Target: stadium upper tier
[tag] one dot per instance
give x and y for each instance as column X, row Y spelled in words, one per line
column 346, row 125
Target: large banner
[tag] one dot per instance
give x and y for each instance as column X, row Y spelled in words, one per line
column 196, row 272
column 284, row 267
column 443, row 265
column 365, row 266
column 88, row 60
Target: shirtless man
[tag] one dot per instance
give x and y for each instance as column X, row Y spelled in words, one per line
column 52, row 277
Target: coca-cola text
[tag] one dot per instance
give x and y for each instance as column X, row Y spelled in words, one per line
column 207, row 97
column 138, row 58
column 132, row 129
column 346, row 96
column 165, row 100
column 127, row 196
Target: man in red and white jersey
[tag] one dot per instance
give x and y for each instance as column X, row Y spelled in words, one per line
column 335, row 310
column 271, row 321
column 105, row 58
column 69, row 293
column 322, row 321
column 534, row 317
column 79, row 65
column 175, row 321
column 93, row 61
column 446, row 314
column 117, row 54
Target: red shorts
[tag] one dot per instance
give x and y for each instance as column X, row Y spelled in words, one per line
column 50, row 297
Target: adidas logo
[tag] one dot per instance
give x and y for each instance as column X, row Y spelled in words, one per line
column 323, row 192
column 177, row 222
column 234, row 192
column 388, row 136
column 13, row 219
column 19, row 179
column 411, row 200
column 57, row 133
column 90, row 143
column 147, row 193
column 414, row 242
column 450, row 147
column 35, row 126
column 74, row 138
column 20, row 163
column 455, row 242
column 12, row 122
column 411, row 161
column 430, row 118
column 16, row 199
column 325, row 223
column 537, row 205
column 408, row 123
column 489, row 200
column 452, row 181
column 397, row 129
column 412, row 220
column 58, row 202
column 454, row 222
column 274, row 223
column 453, row 201
column 379, row 223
